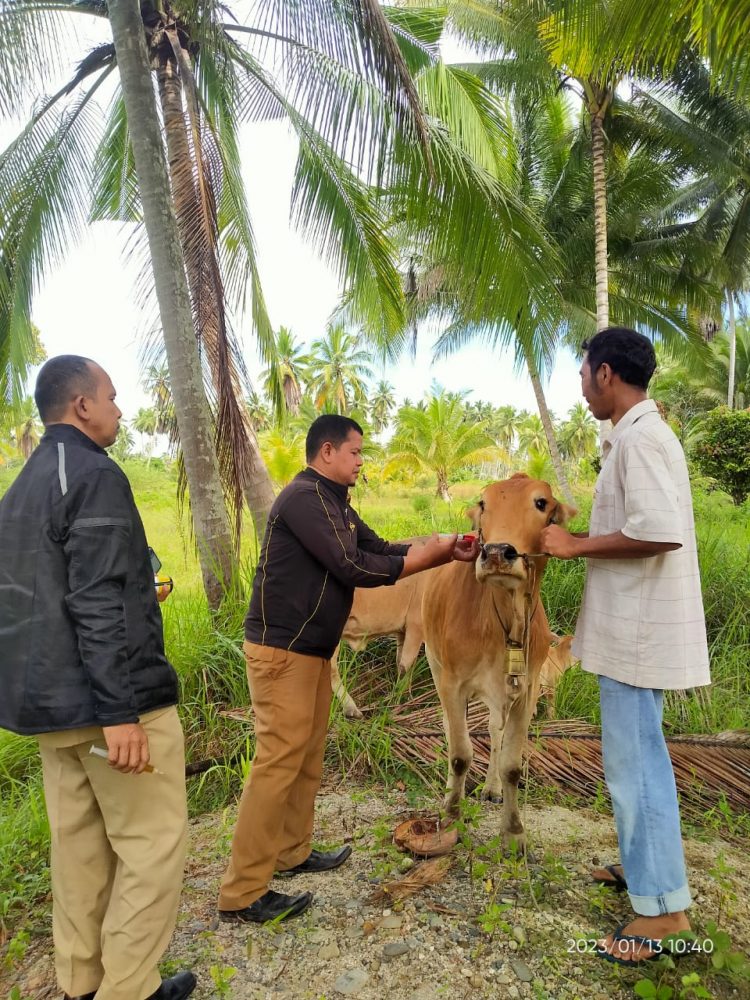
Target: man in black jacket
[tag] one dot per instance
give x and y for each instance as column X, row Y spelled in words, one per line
column 316, row 550
column 83, row 665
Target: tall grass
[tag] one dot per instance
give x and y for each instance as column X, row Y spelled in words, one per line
column 206, row 652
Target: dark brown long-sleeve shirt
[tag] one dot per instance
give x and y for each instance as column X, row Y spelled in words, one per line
column 316, row 550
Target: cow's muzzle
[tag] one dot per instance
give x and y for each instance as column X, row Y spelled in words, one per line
column 498, row 552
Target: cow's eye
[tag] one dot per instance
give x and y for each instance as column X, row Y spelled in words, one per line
column 540, row 504
column 481, row 504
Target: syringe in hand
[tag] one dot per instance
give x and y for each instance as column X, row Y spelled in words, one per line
column 101, row 752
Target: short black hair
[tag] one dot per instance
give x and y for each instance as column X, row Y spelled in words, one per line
column 59, row 381
column 330, row 427
column 629, row 354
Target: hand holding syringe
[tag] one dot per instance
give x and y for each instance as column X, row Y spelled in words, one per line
column 101, row 752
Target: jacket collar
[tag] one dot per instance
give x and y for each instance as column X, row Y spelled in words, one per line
column 627, row 420
column 339, row 489
column 69, row 434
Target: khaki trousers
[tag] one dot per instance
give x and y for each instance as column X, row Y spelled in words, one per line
column 118, row 852
column 291, row 696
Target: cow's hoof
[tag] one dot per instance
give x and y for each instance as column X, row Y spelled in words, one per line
column 490, row 795
column 515, row 843
column 451, row 806
column 352, row 712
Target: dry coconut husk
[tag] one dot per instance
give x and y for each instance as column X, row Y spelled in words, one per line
column 427, row 873
column 425, row 837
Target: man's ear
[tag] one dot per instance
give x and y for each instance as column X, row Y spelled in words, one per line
column 565, row 512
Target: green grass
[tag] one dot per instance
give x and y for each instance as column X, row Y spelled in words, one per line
column 206, row 653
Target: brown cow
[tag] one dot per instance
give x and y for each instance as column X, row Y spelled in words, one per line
column 379, row 611
column 486, row 637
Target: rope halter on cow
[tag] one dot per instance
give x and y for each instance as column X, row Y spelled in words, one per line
column 518, row 634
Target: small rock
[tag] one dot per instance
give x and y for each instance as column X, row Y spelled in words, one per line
column 513, row 992
column 435, row 920
column 476, row 982
column 522, row 970
column 394, row 949
column 329, row 951
column 519, row 934
column 351, row 982
column 391, row 922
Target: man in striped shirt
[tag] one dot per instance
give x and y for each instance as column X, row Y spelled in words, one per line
column 641, row 629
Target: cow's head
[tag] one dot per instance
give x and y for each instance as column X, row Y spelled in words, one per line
column 509, row 520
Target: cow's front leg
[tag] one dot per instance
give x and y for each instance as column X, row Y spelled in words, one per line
column 460, row 751
column 348, row 703
column 493, row 786
column 511, row 757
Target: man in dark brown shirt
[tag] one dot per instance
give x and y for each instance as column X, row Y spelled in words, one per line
column 316, row 550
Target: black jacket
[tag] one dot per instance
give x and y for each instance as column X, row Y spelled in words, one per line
column 315, row 551
column 81, row 638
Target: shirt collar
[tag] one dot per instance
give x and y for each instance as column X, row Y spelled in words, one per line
column 627, row 420
column 71, row 434
column 338, row 488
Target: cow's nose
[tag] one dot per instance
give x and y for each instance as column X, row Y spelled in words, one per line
column 500, row 550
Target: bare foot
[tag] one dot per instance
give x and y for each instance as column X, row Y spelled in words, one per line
column 653, row 929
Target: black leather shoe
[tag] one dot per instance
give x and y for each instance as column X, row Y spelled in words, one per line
column 271, row 906
column 176, row 988
column 320, row 861
column 83, row 996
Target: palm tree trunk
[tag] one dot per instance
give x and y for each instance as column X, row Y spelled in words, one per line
column 442, row 486
column 599, row 99
column 732, row 348
column 191, row 409
column 600, row 221
column 549, row 430
column 254, row 481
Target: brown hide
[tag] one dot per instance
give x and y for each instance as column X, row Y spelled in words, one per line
column 379, row 611
column 468, row 614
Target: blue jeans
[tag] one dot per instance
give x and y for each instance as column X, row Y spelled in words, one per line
column 641, row 782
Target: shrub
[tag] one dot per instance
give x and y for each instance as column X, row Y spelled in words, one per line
column 723, row 450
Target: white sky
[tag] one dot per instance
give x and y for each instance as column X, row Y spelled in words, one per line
column 86, row 305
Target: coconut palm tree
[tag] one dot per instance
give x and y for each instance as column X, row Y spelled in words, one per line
column 342, row 81
column 201, row 465
column 382, row 403
column 22, row 426
column 145, row 423
column 708, row 130
column 532, row 436
column 578, row 435
column 284, row 376
column 438, row 440
column 337, row 371
column 258, row 411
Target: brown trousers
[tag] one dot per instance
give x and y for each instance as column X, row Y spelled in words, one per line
column 118, row 851
column 291, row 696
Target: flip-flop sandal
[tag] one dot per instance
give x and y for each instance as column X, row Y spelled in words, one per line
column 649, row 943
column 617, row 882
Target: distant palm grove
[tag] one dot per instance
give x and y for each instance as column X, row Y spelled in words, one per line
column 582, row 163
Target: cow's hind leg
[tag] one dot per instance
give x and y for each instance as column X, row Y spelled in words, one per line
column 511, row 757
column 348, row 703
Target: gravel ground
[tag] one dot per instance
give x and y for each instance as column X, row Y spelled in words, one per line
column 472, row 935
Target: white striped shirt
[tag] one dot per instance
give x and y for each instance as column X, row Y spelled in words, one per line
column 642, row 620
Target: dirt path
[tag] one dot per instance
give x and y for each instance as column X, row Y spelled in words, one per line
column 469, row 936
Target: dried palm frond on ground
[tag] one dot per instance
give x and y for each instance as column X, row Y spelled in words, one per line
column 712, row 770
column 429, row 872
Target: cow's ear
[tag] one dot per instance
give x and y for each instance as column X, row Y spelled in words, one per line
column 565, row 512
column 473, row 514
column 519, row 475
